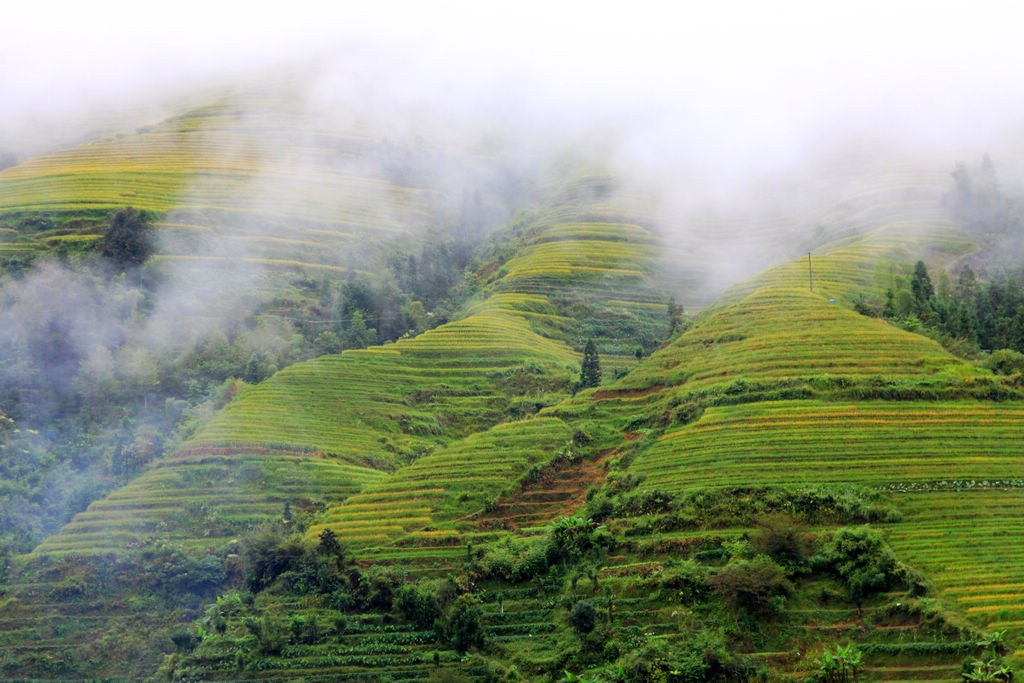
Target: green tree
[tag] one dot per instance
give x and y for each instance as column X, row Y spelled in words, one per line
column 967, row 284
column 889, row 311
column 921, row 284
column 590, row 372
column 418, row 604
column 464, row 626
column 675, row 316
column 758, row 586
column 128, row 240
column 252, row 369
column 862, row 559
column 583, row 617
column 416, row 316
column 358, row 335
column 328, row 341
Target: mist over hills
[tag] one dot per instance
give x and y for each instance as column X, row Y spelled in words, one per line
column 322, row 405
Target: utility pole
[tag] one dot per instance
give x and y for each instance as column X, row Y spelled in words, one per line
column 810, row 272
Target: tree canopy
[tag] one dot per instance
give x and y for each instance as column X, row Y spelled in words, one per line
column 129, row 240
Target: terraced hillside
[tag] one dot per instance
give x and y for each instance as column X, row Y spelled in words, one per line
column 252, row 165
column 953, row 466
column 450, row 482
column 320, row 432
column 451, row 464
column 872, row 443
column 780, row 386
column 780, row 333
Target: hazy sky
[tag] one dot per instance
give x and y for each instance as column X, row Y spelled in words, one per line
column 754, row 85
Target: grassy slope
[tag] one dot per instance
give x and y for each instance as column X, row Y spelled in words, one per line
column 772, row 335
column 278, row 187
column 579, row 263
column 770, row 340
column 329, row 427
column 217, row 169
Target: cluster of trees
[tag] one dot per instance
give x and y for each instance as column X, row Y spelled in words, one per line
column 129, row 239
column 975, row 199
column 967, row 314
column 270, row 560
column 435, row 271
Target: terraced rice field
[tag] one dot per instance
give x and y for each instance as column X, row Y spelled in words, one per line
column 577, row 280
column 857, row 269
column 553, row 256
column 453, row 481
column 871, row 443
column 558, row 492
column 41, row 631
column 970, row 543
column 273, row 186
column 205, row 500
column 364, row 405
column 435, row 406
column 778, row 332
column 218, row 158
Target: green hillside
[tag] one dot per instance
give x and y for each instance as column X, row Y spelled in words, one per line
column 218, row 160
column 774, row 485
column 318, row 432
column 781, row 388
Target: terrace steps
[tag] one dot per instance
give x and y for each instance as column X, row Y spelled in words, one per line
column 558, row 493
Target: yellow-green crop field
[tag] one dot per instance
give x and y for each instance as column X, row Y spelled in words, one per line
column 249, row 168
column 451, row 481
column 405, row 442
column 856, row 266
column 970, row 543
column 873, row 443
column 783, row 332
column 204, row 500
column 359, row 414
column 357, row 405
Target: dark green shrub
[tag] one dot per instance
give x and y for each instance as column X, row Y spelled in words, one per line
column 534, row 560
column 271, row 635
column 418, row 605
column 1005, row 362
column 688, row 580
column 304, row 631
column 689, row 412
column 599, row 508
column 644, row 502
column 779, row 536
column 268, row 554
column 463, row 625
column 758, row 586
column 68, row 589
column 184, row 640
column 583, row 617
column 129, row 240
column 862, row 559
column 379, row 586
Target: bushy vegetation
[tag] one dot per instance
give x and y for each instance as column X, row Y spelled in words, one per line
column 862, row 560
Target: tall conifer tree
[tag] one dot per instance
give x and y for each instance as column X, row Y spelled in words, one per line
column 590, row 372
